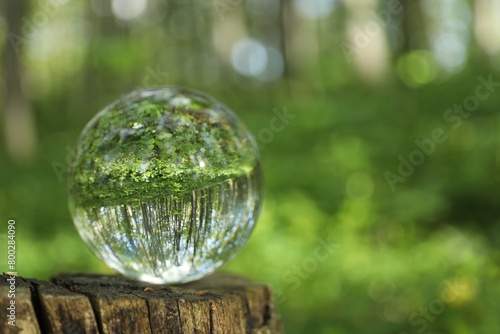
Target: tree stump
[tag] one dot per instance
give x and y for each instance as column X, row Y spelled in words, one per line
column 89, row 303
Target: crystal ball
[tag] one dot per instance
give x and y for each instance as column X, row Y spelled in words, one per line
column 165, row 185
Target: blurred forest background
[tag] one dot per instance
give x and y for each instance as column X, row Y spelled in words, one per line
column 382, row 184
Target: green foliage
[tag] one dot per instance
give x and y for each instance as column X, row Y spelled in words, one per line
column 324, row 179
column 146, row 147
column 324, row 172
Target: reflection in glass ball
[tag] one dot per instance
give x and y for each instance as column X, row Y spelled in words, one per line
column 165, row 185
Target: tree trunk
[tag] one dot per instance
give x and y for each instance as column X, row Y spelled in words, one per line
column 88, row 303
column 19, row 121
column 413, row 26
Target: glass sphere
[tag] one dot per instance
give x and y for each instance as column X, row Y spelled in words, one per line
column 165, row 185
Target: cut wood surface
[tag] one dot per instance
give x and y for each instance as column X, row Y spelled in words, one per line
column 90, row 303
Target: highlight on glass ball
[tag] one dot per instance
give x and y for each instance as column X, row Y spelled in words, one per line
column 165, row 185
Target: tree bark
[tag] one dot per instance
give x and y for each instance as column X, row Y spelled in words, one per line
column 89, row 303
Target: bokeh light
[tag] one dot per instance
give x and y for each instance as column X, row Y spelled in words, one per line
column 128, row 9
column 450, row 51
column 249, row 57
column 417, row 68
column 449, row 32
column 274, row 67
